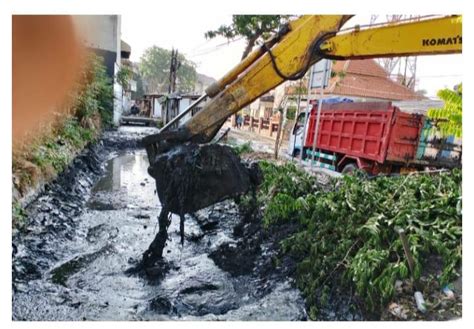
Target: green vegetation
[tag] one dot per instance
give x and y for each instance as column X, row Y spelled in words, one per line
column 154, row 68
column 448, row 119
column 49, row 152
column 18, row 213
column 243, row 148
column 124, row 75
column 159, row 124
column 347, row 237
column 56, row 150
column 252, row 27
column 95, row 93
column 291, row 112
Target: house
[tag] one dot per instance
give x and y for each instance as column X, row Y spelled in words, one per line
column 166, row 106
column 263, row 106
column 131, row 86
column 361, row 80
column 101, row 33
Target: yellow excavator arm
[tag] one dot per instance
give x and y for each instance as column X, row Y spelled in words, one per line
column 289, row 54
column 424, row 37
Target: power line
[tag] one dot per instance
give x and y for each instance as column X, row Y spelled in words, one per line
column 200, row 45
column 213, row 49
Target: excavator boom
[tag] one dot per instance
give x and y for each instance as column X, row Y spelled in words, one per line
column 289, row 54
column 424, row 37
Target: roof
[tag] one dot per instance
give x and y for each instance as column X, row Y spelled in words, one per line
column 176, row 95
column 366, row 78
column 125, row 47
column 267, row 98
column 367, row 67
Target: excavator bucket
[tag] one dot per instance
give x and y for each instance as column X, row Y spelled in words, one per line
column 190, row 176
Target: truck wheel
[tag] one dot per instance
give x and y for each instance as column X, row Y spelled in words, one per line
column 349, row 169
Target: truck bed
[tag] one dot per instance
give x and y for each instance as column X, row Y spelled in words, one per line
column 381, row 132
column 374, row 131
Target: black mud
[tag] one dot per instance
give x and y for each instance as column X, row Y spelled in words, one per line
column 94, row 222
column 191, row 177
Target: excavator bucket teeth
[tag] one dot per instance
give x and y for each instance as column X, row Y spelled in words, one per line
column 190, row 177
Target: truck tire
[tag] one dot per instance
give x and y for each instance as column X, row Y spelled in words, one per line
column 349, row 169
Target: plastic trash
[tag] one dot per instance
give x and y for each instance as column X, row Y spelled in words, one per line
column 420, row 302
column 448, row 292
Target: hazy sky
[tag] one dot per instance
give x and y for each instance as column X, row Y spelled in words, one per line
column 214, row 58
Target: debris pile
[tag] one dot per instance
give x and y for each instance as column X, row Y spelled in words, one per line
column 347, row 238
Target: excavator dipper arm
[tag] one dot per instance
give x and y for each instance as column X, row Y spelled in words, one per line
column 291, row 50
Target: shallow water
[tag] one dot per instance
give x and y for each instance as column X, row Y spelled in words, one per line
column 79, row 273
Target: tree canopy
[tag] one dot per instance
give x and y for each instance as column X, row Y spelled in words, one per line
column 154, row 68
column 252, row 27
column 449, row 117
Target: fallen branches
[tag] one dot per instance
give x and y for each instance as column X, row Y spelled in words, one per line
column 428, row 207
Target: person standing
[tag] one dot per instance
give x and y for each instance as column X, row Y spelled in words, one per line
column 240, row 120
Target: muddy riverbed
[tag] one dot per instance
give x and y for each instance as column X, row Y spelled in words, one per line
column 87, row 228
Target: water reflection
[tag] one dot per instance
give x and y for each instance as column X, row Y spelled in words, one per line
column 127, row 171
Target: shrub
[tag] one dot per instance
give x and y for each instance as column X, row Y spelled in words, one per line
column 243, row 148
column 348, row 236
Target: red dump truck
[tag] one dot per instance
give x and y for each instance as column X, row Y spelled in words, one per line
column 376, row 137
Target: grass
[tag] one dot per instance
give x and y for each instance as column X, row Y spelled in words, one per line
column 18, row 214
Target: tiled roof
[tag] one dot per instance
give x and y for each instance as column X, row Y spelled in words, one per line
column 364, row 78
column 367, row 67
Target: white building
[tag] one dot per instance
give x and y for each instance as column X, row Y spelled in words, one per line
column 102, row 34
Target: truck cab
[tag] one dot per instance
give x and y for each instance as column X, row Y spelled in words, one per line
column 295, row 144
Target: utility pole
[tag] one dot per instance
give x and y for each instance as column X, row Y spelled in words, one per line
column 282, row 109
column 172, row 107
column 307, row 113
column 174, row 66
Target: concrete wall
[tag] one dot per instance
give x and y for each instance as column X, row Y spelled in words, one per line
column 99, row 31
column 183, row 105
column 158, row 108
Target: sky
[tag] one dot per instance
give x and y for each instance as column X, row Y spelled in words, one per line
column 216, row 57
